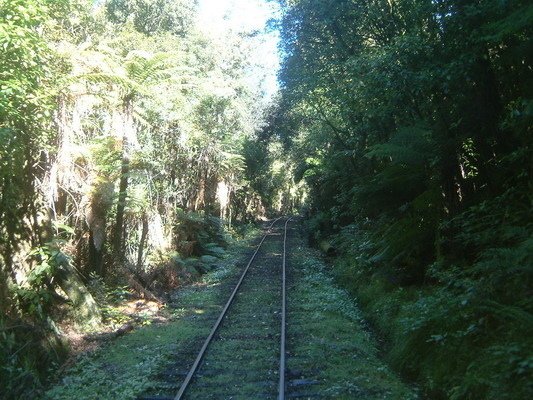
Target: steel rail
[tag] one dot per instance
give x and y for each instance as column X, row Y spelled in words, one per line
column 200, row 355
column 281, row 390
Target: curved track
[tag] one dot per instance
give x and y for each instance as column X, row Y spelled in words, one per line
column 252, row 308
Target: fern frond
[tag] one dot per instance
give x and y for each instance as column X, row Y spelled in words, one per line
column 506, row 312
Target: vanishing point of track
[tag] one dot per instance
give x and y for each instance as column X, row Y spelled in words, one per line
column 189, row 379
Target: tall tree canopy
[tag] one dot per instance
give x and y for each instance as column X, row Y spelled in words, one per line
column 410, row 121
column 131, row 140
column 123, row 128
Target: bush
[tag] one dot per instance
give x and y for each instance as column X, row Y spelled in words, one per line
column 465, row 332
column 195, row 233
column 28, row 351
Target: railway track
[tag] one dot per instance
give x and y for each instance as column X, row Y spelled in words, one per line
column 244, row 354
column 330, row 353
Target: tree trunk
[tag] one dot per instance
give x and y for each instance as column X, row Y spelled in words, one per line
column 128, row 138
column 4, row 293
column 200, row 194
column 70, row 281
column 96, row 255
column 118, row 237
column 144, row 235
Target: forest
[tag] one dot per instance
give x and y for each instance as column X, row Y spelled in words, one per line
column 133, row 145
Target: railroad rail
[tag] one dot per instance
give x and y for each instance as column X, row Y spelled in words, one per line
column 281, row 372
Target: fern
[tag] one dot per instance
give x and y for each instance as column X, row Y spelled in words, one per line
column 408, row 146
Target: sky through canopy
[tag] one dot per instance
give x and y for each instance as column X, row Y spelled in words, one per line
column 219, row 16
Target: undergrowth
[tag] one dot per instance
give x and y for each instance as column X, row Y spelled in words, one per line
column 335, row 349
column 127, row 367
column 465, row 332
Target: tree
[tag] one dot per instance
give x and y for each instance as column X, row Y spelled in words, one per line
column 25, row 105
column 154, row 16
column 402, row 117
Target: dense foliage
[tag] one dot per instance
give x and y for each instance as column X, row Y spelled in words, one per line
column 410, row 121
column 124, row 135
column 131, row 141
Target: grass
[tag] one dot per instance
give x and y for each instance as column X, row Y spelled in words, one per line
column 330, row 351
column 242, row 363
column 446, row 340
column 123, row 369
column 129, row 366
column 331, row 344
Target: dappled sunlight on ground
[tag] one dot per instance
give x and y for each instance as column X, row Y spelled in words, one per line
column 140, row 306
